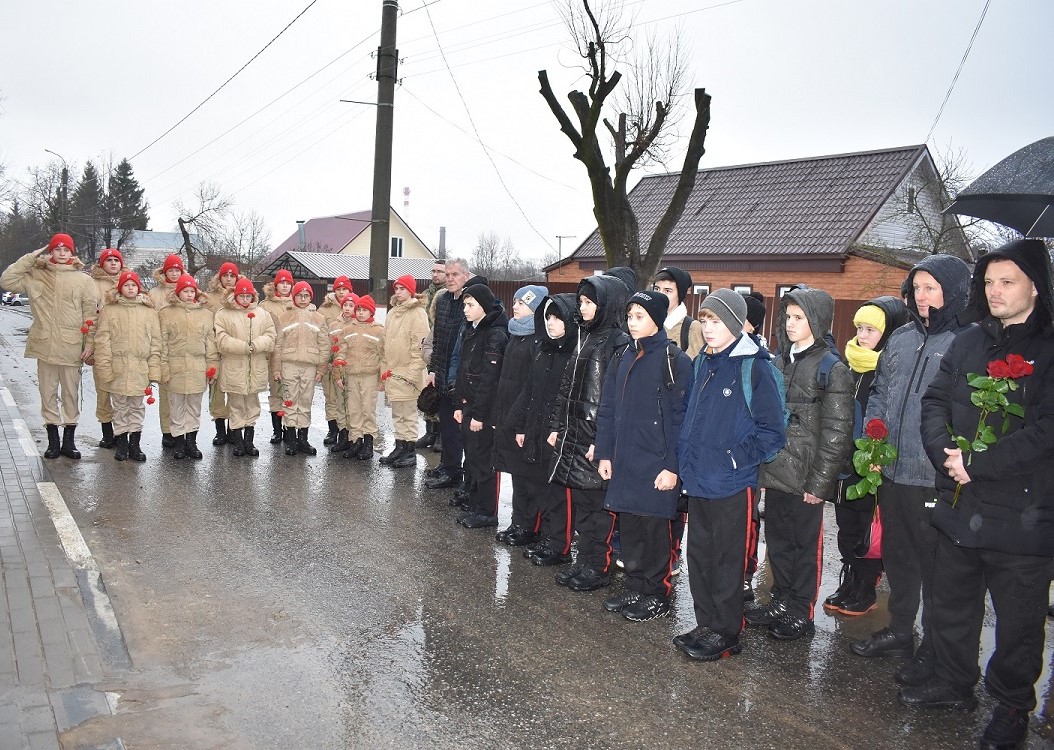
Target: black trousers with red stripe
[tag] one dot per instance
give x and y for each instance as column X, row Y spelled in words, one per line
column 595, row 527
column 481, row 480
column 719, row 536
column 794, row 535
column 554, row 506
column 647, row 553
column 527, row 497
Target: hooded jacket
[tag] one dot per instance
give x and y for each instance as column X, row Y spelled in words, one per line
column 361, row 346
column 301, row 338
column 530, row 412
column 515, row 370
column 639, row 424
column 479, row 366
column 449, row 319
column 162, row 291
column 574, row 413
column 128, row 345
column 1008, row 506
column 820, row 428
column 723, row 442
column 104, row 283
column 62, row 298
column 405, row 330
column 909, row 361
column 244, row 372
column 188, row 346
column 276, row 305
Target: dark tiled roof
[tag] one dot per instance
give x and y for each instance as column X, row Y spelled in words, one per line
column 815, row 206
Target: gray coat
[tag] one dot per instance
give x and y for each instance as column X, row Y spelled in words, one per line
column 820, row 430
column 908, row 363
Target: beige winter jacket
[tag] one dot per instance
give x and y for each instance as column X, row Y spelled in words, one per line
column 188, row 346
column 331, row 309
column 62, row 299
column 128, row 345
column 104, row 284
column 302, row 338
column 215, row 297
column 361, row 346
column 237, row 328
column 277, row 306
column 161, row 294
column 405, row 329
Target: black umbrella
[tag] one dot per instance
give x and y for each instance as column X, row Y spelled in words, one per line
column 1017, row 192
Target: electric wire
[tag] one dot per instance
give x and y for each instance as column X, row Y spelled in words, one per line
column 955, row 78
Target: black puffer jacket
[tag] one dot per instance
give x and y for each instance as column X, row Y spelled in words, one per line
column 1008, row 506
column 574, row 415
column 450, row 317
column 530, row 413
column 479, row 366
column 515, row 370
column 820, row 430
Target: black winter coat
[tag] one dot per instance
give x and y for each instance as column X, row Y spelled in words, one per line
column 449, row 318
column 479, row 367
column 515, row 370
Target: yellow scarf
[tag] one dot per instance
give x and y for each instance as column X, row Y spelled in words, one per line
column 860, row 359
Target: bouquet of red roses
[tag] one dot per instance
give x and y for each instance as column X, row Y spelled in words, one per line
column 990, row 397
column 872, row 453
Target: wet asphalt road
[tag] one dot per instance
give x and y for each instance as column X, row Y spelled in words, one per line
column 322, row 603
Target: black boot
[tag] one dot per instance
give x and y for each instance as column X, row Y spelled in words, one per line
column 53, row 441
column 134, row 452
column 305, row 447
column 167, row 441
column 221, row 433
column 234, row 437
column 276, row 428
column 407, row 459
column 107, row 435
column 342, row 443
column 366, row 454
column 429, row 438
column 354, row 449
column 289, row 439
column 192, row 446
column 247, row 442
column 179, row 449
column 437, row 447
column 69, row 448
column 120, row 444
column 331, row 436
column 396, row 454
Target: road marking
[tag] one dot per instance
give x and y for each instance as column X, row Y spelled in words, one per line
column 72, row 542
column 25, row 437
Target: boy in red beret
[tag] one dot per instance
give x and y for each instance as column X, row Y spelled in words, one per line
column 332, row 309
column 220, row 287
column 403, row 367
column 361, row 344
column 104, row 273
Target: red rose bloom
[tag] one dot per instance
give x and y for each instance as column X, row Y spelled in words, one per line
column 250, row 315
column 89, row 323
column 280, row 413
column 998, row 368
column 876, row 430
column 150, row 400
column 1019, row 367
column 287, row 403
column 147, row 391
column 211, row 372
column 336, row 348
column 84, row 329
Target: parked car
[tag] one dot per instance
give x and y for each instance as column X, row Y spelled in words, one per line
column 6, row 298
column 17, row 300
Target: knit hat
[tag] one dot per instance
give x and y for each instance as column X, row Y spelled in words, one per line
column 589, row 291
column 302, row 286
column 127, row 276
column 531, row 295
column 872, row 316
column 483, row 295
column 626, row 275
column 283, row 275
column 60, row 239
column 110, row 252
column 172, row 261
column 407, row 282
column 654, row 303
column 682, row 279
column 341, row 282
column 186, row 281
column 755, row 309
column 366, row 302
column 244, row 286
column 227, row 267
column 730, row 308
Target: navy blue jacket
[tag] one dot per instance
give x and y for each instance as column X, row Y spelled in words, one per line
column 722, row 442
column 638, row 426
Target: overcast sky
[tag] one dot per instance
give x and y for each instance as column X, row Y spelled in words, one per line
column 788, row 80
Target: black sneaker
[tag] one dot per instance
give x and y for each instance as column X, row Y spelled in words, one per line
column 1007, row 730
column 916, row 671
column 711, row 646
column 885, row 643
column 691, row 636
column 647, row 608
column 938, row 694
column 788, row 627
column 535, row 549
column 748, row 591
column 442, row 481
column 564, row 576
column 589, row 579
column 548, row 557
column 619, row 602
column 764, row 614
column 477, row 521
column 520, row 536
column 432, row 473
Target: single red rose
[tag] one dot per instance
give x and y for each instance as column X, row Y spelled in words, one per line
column 250, row 315
column 998, row 368
column 287, row 403
column 84, row 329
column 211, row 372
column 335, row 339
column 876, row 430
column 280, row 413
column 148, row 391
column 336, row 348
column 150, row 400
column 89, row 323
column 1019, row 368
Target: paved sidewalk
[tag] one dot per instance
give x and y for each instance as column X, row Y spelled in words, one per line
column 53, row 646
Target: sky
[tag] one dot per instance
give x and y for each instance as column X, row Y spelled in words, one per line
column 789, row 80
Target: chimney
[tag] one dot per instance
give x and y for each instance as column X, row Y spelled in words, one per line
column 442, row 242
column 301, row 235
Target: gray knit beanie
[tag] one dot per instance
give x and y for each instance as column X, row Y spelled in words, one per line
column 729, row 307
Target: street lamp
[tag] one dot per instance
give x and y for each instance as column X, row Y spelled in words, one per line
column 64, row 193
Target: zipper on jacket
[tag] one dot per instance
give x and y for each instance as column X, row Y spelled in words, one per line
column 567, row 410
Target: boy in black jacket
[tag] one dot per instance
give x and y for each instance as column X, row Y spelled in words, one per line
column 479, row 367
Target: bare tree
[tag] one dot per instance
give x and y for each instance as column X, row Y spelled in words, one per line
column 206, row 217
column 245, row 238
column 497, row 259
column 642, row 132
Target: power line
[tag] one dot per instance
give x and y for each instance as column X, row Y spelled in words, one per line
column 958, row 70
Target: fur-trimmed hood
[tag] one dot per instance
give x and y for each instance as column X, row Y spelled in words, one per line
column 114, row 297
column 75, row 264
column 98, row 273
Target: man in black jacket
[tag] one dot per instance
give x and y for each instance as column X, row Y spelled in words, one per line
column 995, row 514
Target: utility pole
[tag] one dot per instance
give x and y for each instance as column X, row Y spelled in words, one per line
column 380, row 229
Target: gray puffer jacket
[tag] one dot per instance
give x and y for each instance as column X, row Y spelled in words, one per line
column 820, row 429
column 908, row 363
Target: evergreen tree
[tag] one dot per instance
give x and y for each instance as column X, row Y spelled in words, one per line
column 87, row 217
column 20, row 232
column 126, row 206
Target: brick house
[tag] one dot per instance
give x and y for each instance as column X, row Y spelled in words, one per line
column 847, row 223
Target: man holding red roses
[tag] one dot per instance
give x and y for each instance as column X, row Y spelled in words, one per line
column 997, row 536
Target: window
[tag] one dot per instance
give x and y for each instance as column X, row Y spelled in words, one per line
column 701, row 290
column 743, row 288
column 913, row 206
column 782, row 289
column 397, row 247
